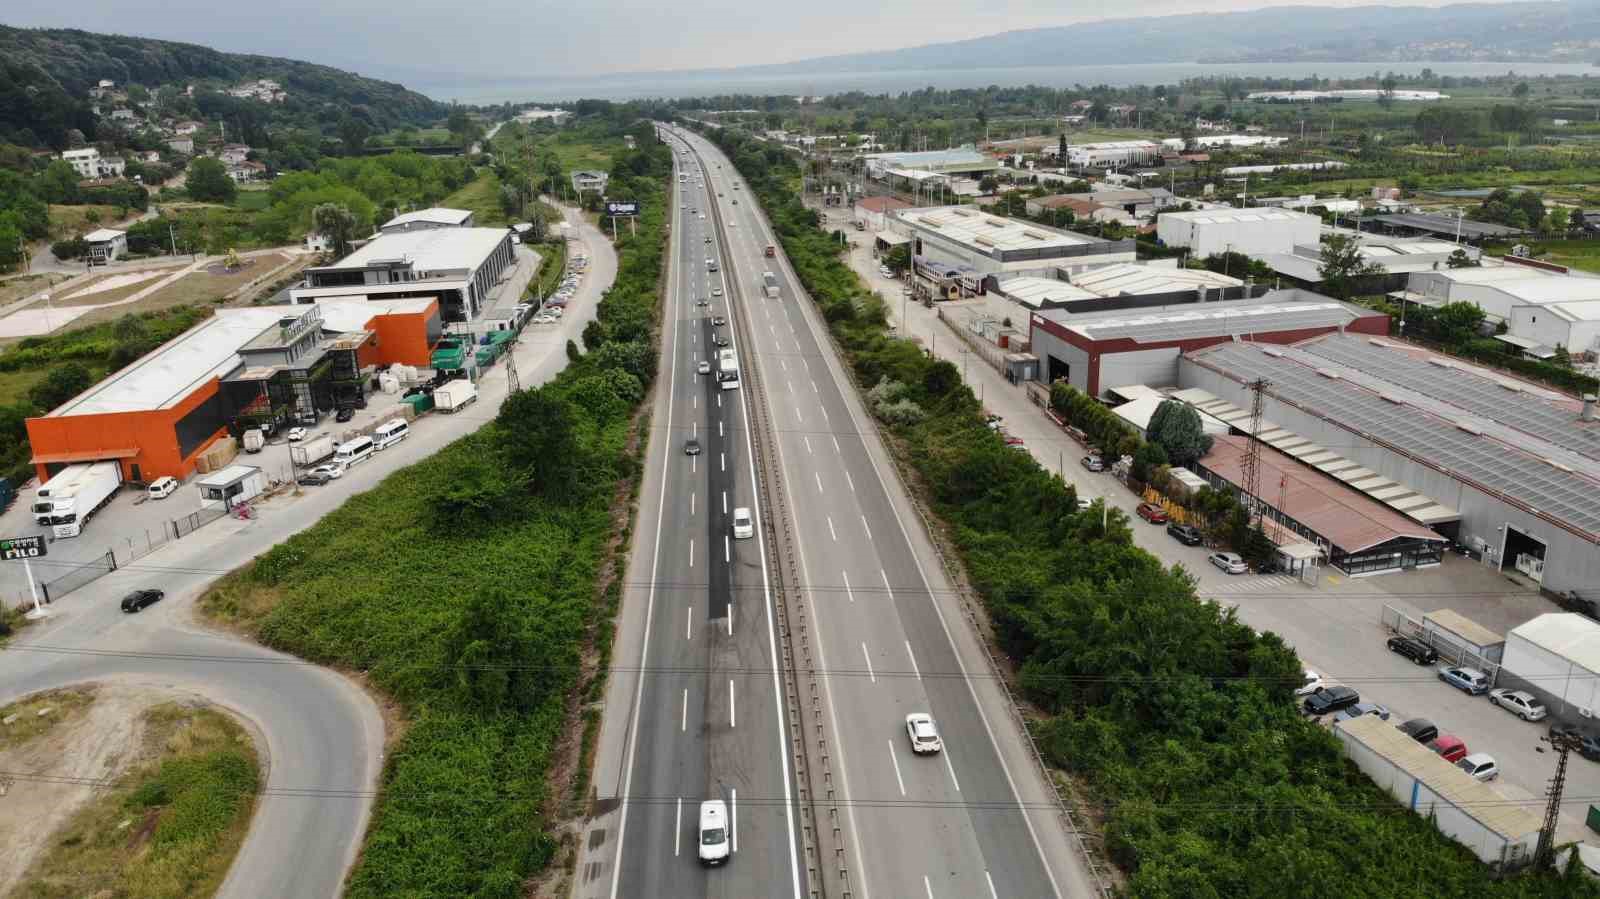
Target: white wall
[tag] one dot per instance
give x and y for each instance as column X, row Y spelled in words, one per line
column 1253, row 238
column 1565, row 681
column 1158, row 368
column 1543, row 325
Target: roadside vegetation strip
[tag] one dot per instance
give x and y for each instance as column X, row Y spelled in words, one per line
column 1176, row 715
column 167, row 828
column 466, row 586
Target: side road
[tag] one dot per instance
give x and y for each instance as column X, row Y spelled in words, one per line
column 322, row 736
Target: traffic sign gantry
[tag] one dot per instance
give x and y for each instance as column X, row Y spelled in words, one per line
column 23, row 548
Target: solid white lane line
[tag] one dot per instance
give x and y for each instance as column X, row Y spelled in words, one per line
column 912, row 656
column 847, row 591
column 896, row 762
column 851, row 481
column 868, row 656
column 952, row 766
column 733, row 817
column 818, row 475
column 807, row 439
column 992, row 893
column 831, row 532
column 677, row 829
column 733, row 713
column 683, row 721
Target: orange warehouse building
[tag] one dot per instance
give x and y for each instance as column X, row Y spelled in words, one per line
column 239, row 368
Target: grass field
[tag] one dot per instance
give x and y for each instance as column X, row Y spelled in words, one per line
column 482, row 196
column 1578, row 254
column 168, row 828
column 13, row 289
column 251, row 199
column 197, row 288
column 72, row 221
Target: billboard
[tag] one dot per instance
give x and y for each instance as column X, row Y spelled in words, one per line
column 622, row 207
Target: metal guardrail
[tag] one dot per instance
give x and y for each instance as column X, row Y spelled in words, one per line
column 1064, row 805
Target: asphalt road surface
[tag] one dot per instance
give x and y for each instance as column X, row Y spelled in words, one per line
column 974, row 820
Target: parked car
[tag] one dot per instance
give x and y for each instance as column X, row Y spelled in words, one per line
column 923, row 732
column 344, row 414
column 1420, row 729
column 1449, row 747
column 1229, row 562
column 1311, row 684
column 1518, row 702
column 163, row 487
column 1362, row 708
column 1187, row 534
column 332, row 470
column 1588, row 744
column 1468, row 680
column 1152, row 513
column 1331, row 699
column 313, row 480
column 138, row 599
column 296, row 435
column 691, row 447
column 1413, row 649
column 1093, row 463
column 1480, row 765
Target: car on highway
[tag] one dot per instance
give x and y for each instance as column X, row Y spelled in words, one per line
column 704, row 367
column 708, row 238
column 923, row 733
column 1449, row 747
column 1417, row 651
column 1311, row 683
column 138, row 599
column 718, row 320
column 1420, row 729
column 713, row 832
column 743, row 525
column 719, row 340
column 162, row 487
column 691, row 447
column 1518, row 702
column 313, row 480
column 332, row 470
column 701, row 301
column 1187, row 534
column 1480, row 765
column 1330, row 699
column 1093, row 463
column 1152, row 513
column 1359, row 709
column 1228, row 562
column 296, row 435
column 1470, row 681
column 716, row 291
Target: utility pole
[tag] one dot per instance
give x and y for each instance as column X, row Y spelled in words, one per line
column 1563, row 743
column 1250, row 469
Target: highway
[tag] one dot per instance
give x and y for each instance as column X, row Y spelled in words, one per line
column 976, row 819
column 703, row 718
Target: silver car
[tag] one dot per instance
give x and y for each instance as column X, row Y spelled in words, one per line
column 924, row 734
column 1229, row 562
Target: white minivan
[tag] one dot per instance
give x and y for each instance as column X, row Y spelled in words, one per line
column 163, row 487
column 389, row 433
column 713, row 832
column 352, row 451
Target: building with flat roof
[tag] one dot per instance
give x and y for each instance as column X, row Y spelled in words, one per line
column 1112, row 154
column 1446, row 226
column 105, row 245
column 253, row 366
column 1095, row 350
column 591, row 181
column 956, row 161
column 1122, row 285
column 423, row 219
column 1519, row 463
column 456, row 266
column 873, row 212
column 1253, row 232
column 1573, row 325
column 1399, row 257
column 965, row 236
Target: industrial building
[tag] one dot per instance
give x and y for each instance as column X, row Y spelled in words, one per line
column 872, row 213
column 1501, row 833
column 1503, row 466
column 1556, row 657
column 263, row 366
column 1113, row 154
column 967, row 237
column 1095, row 350
column 1445, row 226
column 1253, row 232
column 1399, row 257
column 423, row 219
column 965, row 161
column 1543, row 307
column 456, row 266
column 1123, row 285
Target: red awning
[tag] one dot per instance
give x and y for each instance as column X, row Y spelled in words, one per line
column 84, row 456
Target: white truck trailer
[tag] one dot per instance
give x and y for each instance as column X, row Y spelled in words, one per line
column 254, row 440
column 769, row 284
column 310, row 452
column 728, row 369
column 454, row 395
column 75, row 494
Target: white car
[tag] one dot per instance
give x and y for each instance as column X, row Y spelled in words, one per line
column 1312, row 683
column 297, row 434
column 743, row 525
column 704, row 368
column 1480, row 765
column 1229, row 562
column 924, row 734
column 555, row 311
column 1518, row 702
column 163, row 487
column 713, row 832
column 331, row 470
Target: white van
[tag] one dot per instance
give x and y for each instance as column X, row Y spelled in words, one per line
column 351, row 452
column 713, row 832
column 389, row 433
column 163, row 487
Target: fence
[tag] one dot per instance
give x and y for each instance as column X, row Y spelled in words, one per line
column 86, row 573
column 129, row 550
column 1397, row 621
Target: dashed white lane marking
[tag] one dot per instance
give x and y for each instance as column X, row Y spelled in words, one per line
column 818, row 476
column 912, row 656
column 677, row 829
column 952, row 766
column 851, row 481
column 992, row 893
column 808, row 443
column 847, row 591
column 831, row 532
column 688, row 625
column 683, row 722
column 733, row 713
column 691, row 552
column 866, row 526
column 868, row 656
column 836, row 445
column 897, row 778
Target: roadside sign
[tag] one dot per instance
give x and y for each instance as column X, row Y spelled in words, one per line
column 622, row 207
column 13, row 548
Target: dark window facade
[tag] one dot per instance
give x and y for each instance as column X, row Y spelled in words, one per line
column 201, row 422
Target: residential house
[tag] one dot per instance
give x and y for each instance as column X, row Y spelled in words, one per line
column 88, row 163
column 152, row 156
column 184, row 145
column 105, row 245
column 595, row 181
column 122, row 115
column 112, row 166
column 189, row 127
column 249, row 170
column 234, row 154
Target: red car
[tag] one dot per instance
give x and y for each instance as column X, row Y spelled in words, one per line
column 1152, row 513
column 1449, row 747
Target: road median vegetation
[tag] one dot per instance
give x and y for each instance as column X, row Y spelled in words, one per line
column 468, row 588
column 1175, row 717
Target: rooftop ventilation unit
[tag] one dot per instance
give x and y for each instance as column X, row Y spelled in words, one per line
column 1442, row 363
column 984, row 241
column 1036, row 235
column 1392, row 398
column 1470, row 427
column 1274, row 352
column 1328, row 373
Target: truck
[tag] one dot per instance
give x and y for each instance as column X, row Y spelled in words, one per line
column 454, row 395
column 772, row 251
column 728, row 369
column 67, row 501
column 254, row 440
column 310, row 452
column 769, row 283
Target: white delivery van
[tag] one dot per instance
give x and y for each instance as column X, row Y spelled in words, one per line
column 713, row 832
column 389, row 433
column 163, row 487
column 353, row 451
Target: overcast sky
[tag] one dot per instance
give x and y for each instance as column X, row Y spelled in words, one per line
column 517, row 38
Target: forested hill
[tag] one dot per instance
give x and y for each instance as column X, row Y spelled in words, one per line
column 45, row 76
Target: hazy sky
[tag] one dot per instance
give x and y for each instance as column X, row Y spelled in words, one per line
column 516, row 38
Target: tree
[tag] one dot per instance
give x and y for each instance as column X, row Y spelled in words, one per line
column 209, row 182
column 1343, row 267
column 1558, row 221
column 987, row 184
column 540, row 440
column 59, row 182
column 1459, row 259
column 1386, row 94
column 1148, row 459
column 62, row 383
column 334, row 222
column 10, row 244
column 1521, row 91
column 353, row 132
column 1175, row 426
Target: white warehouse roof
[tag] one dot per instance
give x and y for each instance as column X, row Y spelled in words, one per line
column 437, row 215
column 431, row 250
column 1567, row 634
column 985, row 233
column 1236, row 216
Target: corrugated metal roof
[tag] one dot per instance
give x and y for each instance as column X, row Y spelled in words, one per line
column 1569, row 635
column 1458, row 623
column 968, row 225
column 1195, row 320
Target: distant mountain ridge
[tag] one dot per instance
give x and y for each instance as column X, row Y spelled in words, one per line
column 1564, row 31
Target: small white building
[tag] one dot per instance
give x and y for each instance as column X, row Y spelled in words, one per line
column 112, row 166
column 233, row 154
column 184, row 145
column 1574, row 325
column 968, row 238
column 86, row 162
column 1113, row 154
column 1556, row 656
column 231, row 487
column 105, row 245
column 1253, row 232
column 425, row 219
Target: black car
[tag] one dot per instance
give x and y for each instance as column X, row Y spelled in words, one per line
column 1588, row 744
column 313, row 480
column 691, row 447
column 1331, row 699
column 1420, row 729
column 345, row 414
column 1187, row 534
column 718, row 320
column 719, row 340
column 138, row 599
column 1413, row 649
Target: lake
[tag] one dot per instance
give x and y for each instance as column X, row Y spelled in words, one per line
column 632, row 86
